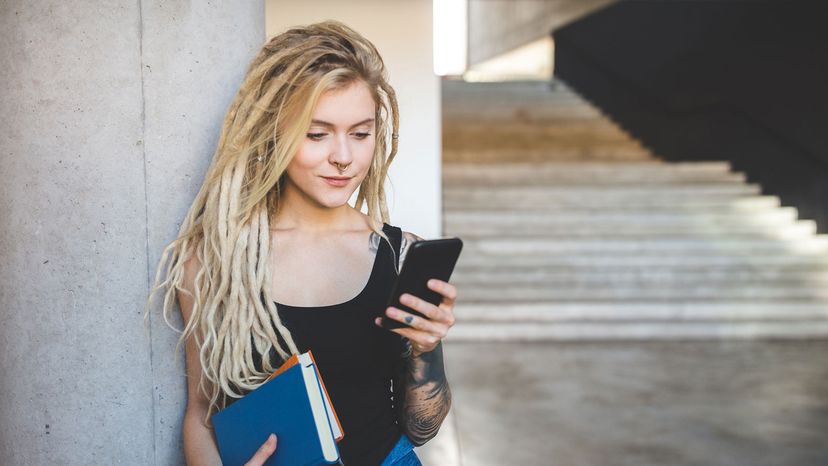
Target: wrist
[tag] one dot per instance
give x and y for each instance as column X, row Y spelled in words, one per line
column 410, row 352
column 407, row 352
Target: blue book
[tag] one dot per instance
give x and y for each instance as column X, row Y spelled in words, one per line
column 293, row 404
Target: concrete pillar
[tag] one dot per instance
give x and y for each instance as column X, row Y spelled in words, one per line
column 110, row 114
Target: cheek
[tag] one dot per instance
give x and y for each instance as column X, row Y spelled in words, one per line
column 366, row 155
column 307, row 160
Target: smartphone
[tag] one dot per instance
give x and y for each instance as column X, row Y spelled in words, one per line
column 425, row 259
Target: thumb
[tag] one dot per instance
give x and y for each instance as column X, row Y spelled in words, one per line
column 264, row 451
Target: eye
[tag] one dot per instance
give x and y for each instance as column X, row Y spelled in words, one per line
column 362, row 135
column 315, row 136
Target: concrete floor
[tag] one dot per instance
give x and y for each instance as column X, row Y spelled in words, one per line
column 635, row 403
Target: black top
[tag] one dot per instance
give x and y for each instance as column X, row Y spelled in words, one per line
column 357, row 359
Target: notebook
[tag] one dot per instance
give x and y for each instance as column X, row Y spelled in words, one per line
column 293, row 404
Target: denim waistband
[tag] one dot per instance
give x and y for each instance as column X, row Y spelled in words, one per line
column 402, row 454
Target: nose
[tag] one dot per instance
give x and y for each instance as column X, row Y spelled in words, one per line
column 342, row 152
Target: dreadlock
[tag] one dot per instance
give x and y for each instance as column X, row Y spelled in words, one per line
column 227, row 226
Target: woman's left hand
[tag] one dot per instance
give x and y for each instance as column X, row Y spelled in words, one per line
column 425, row 334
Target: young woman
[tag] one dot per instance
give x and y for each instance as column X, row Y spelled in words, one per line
column 271, row 260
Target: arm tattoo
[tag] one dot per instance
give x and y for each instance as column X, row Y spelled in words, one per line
column 424, row 391
column 427, row 397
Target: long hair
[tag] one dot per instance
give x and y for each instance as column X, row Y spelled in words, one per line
column 227, row 225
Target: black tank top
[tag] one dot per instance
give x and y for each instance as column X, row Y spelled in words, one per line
column 356, row 358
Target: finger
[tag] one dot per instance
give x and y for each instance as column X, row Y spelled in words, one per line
column 446, row 289
column 429, row 310
column 264, row 452
column 416, row 322
column 450, row 320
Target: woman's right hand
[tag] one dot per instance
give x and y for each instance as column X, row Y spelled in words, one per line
column 264, row 452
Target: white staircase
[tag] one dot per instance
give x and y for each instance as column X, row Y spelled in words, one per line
column 564, row 243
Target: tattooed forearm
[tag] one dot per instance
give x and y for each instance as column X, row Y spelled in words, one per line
column 427, row 396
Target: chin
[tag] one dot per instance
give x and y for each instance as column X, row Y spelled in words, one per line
column 335, row 201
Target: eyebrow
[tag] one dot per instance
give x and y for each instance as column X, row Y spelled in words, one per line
column 331, row 125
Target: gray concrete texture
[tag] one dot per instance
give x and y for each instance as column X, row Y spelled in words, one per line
column 715, row 402
column 110, row 116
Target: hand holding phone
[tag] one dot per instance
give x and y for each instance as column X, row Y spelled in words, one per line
column 424, row 260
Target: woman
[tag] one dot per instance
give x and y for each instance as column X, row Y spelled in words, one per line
column 271, row 225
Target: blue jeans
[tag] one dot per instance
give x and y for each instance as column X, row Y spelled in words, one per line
column 402, row 454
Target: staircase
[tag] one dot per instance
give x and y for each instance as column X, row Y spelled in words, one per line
column 573, row 230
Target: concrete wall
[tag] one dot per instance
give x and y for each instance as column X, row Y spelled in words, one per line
column 497, row 26
column 402, row 32
column 110, row 114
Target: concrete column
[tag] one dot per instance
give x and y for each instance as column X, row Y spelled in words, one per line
column 110, row 114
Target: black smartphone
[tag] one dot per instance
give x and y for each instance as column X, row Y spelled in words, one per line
column 425, row 259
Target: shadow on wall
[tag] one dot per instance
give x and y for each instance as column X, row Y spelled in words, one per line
column 716, row 80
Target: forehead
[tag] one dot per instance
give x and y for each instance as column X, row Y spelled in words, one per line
column 345, row 107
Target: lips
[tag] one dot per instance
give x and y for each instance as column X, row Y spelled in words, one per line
column 336, row 180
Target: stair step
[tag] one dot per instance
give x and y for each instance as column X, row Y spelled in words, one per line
column 552, row 114
column 500, row 293
column 772, row 224
column 512, row 98
column 508, row 218
column 460, row 200
column 602, row 168
column 587, row 178
column 509, row 92
column 579, row 277
column 648, row 174
column 679, row 311
column 608, row 171
column 635, row 331
column 541, row 142
column 801, row 229
column 499, row 247
column 644, row 261
column 610, row 195
column 607, row 151
column 577, row 131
